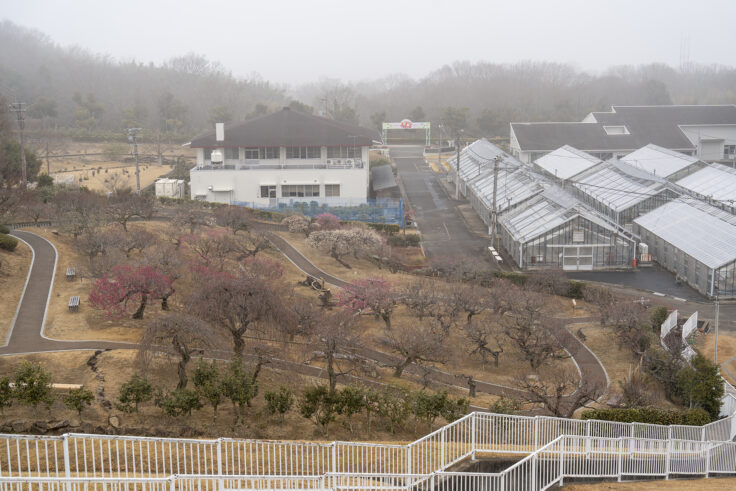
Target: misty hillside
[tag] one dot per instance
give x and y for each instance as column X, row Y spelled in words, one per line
column 92, row 92
column 82, row 93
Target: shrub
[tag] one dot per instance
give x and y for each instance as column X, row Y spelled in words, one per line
column 700, row 385
column 45, row 180
column 6, row 394
column 519, row 279
column 33, row 385
column 297, row 224
column 328, row 221
column 178, row 402
column 404, row 240
column 4, row 229
column 8, row 242
column 576, row 289
column 279, row 402
column 77, row 399
column 658, row 316
column 132, row 393
column 693, row 417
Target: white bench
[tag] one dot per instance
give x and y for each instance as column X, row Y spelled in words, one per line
column 74, row 303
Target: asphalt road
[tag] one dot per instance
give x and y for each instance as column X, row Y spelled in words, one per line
column 444, row 234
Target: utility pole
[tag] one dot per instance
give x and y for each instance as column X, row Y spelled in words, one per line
column 19, row 108
column 439, row 146
column 48, row 165
column 718, row 311
column 494, row 210
column 132, row 138
column 457, row 166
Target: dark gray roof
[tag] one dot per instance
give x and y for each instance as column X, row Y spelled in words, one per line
column 288, row 128
column 583, row 136
column 659, row 125
column 382, row 177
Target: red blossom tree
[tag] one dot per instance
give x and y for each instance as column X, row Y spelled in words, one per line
column 374, row 294
column 129, row 285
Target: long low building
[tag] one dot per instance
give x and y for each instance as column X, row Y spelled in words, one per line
column 715, row 184
column 695, row 241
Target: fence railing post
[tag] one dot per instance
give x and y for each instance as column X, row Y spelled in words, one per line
column 667, row 461
column 172, row 483
column 707, row 459
column 620, row 447
column 533, row 476
column 536, row 433
column 587, row 439
column 562, row 461
column 67, row 466
column 220, row 482
column 473, row 427
column 442, row 450
column 408, row 459
column 334, row 457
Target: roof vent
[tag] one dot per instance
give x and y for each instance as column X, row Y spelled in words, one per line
column 220, row 132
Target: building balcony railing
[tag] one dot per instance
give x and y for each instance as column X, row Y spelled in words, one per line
column 266, row 165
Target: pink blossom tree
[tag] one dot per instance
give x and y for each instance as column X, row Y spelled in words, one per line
column 328, row 221
column 129, row 285
column 374, row 294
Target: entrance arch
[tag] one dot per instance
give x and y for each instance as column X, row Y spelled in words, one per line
column 406, row 124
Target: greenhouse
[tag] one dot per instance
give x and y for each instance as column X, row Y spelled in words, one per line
column 513, row 188
column 695, row 241
column 715, row 183
column 475, row 159
column 620, row 192
column 554, row 230
column 566, row 162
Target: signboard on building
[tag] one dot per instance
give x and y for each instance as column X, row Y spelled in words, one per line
column 406, row 124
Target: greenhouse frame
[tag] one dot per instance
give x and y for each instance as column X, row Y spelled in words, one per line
column 694, row 240
column 553, row 230
column 620, row 192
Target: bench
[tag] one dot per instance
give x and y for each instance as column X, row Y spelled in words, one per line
column 74, row 303
column 71, row 273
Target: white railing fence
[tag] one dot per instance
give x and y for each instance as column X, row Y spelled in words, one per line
column 554, row 448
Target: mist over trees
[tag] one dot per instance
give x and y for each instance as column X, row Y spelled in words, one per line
column 82, row 93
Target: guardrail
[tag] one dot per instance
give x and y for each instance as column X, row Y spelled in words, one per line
column 105, row 457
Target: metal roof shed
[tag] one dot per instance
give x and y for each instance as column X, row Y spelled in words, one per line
column 663, row 162
column 566, row 162
column 694, row 240
column 714, row 182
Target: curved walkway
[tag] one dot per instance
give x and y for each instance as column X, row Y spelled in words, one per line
column 26, row 334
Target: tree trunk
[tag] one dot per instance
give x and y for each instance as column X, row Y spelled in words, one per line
column 238, row 344
column 139, row 313
column 182, row 371
column 331, row 376
column 165, row 302
column 387, row 319
column 400, row 367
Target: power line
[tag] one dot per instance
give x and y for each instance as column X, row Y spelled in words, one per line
column 19, row 108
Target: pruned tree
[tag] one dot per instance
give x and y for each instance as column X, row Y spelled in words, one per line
column 341, row 243
column 302, row 317
column 166, row 258
column 191, row 216
column 208, row 384
column 327, row 221
column 628, row 321
column 122, row 206
column 526, row 326
column 249, row 244
column 239, row 385
column 78, row 210
column 470, row 299
column 560, row 392
column 135, row 239
column 212, row 247
column 415, row 343
column 419, row 296
column 375, row 295
column 234, row 302
column 486, row 338
column 334, row 336
column 127, row 285
column 181, row 335
column 235, row 218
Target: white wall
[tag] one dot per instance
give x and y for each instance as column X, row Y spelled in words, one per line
column 244, row 185
column 710, row 150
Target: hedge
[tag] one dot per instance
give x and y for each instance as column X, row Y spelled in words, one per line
column 389, row 228
column 8, row 242
column 516, row 278
column 4, row 229
column 404, row 240
column 692, row 417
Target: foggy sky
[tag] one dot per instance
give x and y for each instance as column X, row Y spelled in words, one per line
column 299, row 41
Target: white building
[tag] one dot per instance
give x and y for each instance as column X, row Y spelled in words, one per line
column 171, row 188
column 706, row 132
column 287, row 155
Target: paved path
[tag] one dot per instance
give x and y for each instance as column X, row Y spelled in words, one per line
column 26, row 334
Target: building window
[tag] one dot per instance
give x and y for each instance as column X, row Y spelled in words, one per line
column 207, row 153
column 232, row 154
column 344, row 152
column 268, row 191
column 729, row 151
column 332, row 190
column 303, row 152
column 255, row 153
column 300, row 191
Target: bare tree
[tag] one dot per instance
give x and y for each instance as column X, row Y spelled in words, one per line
column 486, row 338
column 122, row 206
column 526, row 326
column 182, row 335
column 302, row 317
column 236, row 218
column 212, row 248
column 192, row 216
column 419, row 296
column 471, row 299
column 560, row 392
column 249, row 244
column 335, row 335
column 627, row 320
column 235, row 303
column 416, row 343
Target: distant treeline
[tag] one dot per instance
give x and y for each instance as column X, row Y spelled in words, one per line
column 77, row 93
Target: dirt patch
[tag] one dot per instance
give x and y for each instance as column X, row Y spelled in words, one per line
column 694, row 484
column 14, row 268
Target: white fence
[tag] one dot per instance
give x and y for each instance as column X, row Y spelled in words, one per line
column 555, row 448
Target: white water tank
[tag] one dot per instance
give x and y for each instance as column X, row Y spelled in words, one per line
column 643, row 248
column 216, row 157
